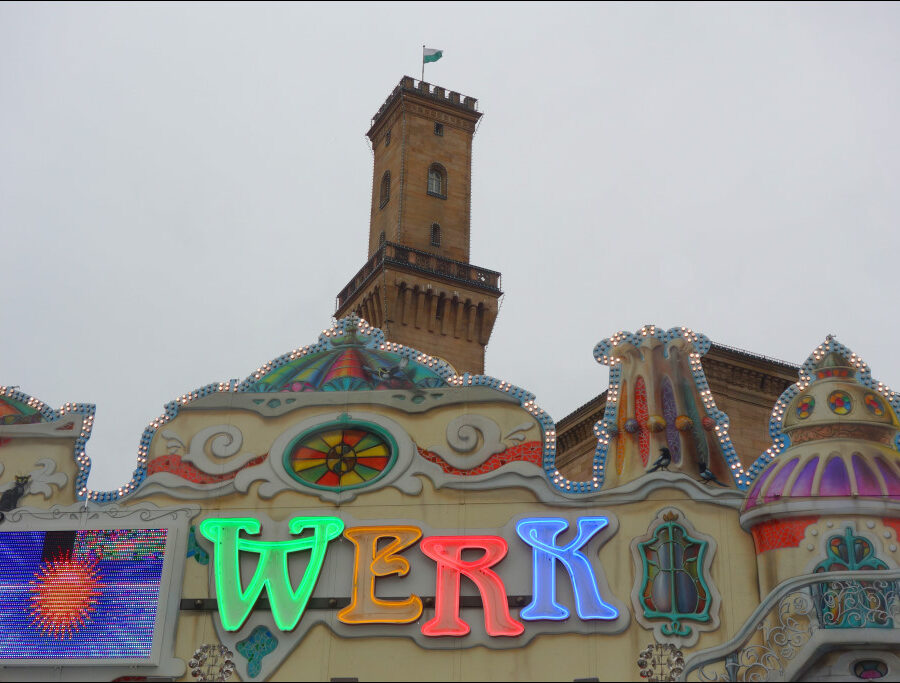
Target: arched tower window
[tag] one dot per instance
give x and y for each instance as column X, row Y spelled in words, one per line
column 381, row 239
column 437, row 181
column 435, row 235
column 385, row 189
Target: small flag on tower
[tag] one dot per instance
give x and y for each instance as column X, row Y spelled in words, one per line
column 431, row 55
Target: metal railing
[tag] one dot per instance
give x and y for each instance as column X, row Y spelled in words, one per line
column 423, row 262
column 800, row 616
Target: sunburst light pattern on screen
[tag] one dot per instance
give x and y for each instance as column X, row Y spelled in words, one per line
column 64, row 595
column 79, row 594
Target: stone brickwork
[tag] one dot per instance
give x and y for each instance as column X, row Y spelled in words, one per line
column 424, row 294
column 410, row 116
column 443, row 319
column 576, row 441
column 746, row 387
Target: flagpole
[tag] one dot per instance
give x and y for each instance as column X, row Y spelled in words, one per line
column 423, row 63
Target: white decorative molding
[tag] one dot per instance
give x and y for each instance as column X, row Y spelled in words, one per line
column 42, row 480
column 224, row 442
column 464, row 433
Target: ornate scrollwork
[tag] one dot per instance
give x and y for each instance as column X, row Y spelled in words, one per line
column 787, row 629
column 781, row 632
column 224, row 441
column 464, row 433
column 86, row 512
column 53, row 513
column 859, row 604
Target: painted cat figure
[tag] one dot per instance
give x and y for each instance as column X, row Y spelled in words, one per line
column 9, row 500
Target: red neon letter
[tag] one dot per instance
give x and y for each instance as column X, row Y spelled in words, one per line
column 447, row 552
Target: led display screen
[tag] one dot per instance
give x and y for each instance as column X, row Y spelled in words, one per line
column 79, row 594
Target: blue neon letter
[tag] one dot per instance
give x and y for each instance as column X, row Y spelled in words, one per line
column 540, row 533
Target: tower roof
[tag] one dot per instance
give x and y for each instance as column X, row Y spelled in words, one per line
column 429, row 94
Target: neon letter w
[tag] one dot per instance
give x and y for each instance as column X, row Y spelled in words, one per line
column 271, row 572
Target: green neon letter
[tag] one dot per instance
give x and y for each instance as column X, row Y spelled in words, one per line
column 271, row 572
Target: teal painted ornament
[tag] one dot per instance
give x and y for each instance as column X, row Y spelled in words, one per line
column 255, row 647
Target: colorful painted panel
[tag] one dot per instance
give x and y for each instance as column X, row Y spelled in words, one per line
column 349, row 363
column 339, row 457
column 530, row 451
column 780, row 533
column 14, row 412
column 805, row 407
column 79, row 594
column 656, row 353
column 690, row 409
column 874, row 405
column 620, row 424
column 839, row 402
column 670, row 414
column 641, row 414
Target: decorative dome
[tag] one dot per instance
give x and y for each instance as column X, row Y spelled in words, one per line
column 828, row 474
column 835, row 433
column 836, row 396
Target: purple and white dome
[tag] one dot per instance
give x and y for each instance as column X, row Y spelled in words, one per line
column 841, row 433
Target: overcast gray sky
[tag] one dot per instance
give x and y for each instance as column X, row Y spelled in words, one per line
column 185, row 188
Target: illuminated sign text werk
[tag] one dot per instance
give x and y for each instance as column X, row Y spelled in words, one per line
column 377, row 555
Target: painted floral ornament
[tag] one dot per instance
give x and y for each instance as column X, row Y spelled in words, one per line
column 656, row 423
column 683, row 423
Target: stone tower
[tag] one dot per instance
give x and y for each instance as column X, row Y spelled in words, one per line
column 418, row 285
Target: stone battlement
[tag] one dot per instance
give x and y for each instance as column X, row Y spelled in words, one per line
column 424, row 89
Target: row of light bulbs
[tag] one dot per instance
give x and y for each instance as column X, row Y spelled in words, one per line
column 603, row 353
column 340, row 328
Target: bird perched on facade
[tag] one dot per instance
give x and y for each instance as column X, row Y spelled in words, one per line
column 663, row 461
column 397, row 376
column 707, row 477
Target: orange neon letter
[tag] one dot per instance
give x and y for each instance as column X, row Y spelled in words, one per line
column 447, row 552
column 364, row 607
